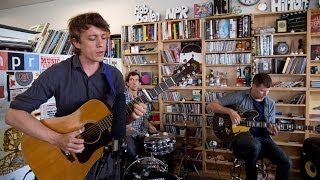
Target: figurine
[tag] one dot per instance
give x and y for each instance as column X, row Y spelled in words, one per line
column 247, row 75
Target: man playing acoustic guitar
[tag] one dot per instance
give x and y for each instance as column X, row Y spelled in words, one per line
column 256, row 143
column 72, row 83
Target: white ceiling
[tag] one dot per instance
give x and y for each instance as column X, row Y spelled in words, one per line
column 7, row 4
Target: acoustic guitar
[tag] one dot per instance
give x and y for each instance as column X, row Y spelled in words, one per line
column 225, row 130
column 49, row 162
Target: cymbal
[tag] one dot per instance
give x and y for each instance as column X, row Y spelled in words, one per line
column 159, row 135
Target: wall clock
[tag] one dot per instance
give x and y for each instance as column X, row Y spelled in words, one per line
column 281, row 48
column 249, row 2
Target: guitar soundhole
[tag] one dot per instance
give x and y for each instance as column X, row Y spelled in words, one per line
column 91, row 133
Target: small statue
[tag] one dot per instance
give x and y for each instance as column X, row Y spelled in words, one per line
column 247, row 75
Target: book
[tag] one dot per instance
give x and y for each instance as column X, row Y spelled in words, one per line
column 315, row 22
column 315, row 51
column 15, row 32
column 203, row 10
column 146, row 78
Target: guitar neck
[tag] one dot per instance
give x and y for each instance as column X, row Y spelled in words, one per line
column 147, row 96
column 283, row 127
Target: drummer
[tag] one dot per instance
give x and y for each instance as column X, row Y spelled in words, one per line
column 139, row 128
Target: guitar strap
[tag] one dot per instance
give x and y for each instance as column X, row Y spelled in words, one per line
column 109, row 77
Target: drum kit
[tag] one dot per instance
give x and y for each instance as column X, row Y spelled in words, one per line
column 151, row 168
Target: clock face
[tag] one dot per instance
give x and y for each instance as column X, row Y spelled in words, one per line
column 249, row 2
column 282, row 48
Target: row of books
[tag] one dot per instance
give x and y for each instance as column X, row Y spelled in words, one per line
column 294, row 65
column 114, row 46
column 167, row 70
column 139, row 33
column 228, row 28
column 265, row 45
column 175, row 130
column 229, row 58
column 171, row 96
column 54, row 42
column 189, row 108
column 184, row 29
column 218, row 46
column 178, row 118
column 137, row 59
column 298, row 99
column 287, row 84
column 315, row 83
column 170, row 56
column 211, row 96
column 170, row 129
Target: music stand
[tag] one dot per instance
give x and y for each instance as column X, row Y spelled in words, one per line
column 186, row 160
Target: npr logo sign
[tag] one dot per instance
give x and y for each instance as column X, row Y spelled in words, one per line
column 19, row 61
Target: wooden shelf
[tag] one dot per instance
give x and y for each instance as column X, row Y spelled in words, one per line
column 285, row 75
column 283, row 56
column 183, row 102
column 315, row 34
column 141, row 53
column 226, row 65
column 290, row 105
column 181, row 40
column 290, row 118
column 228, row 39
column 228, row 88
column 227, row 52
column 283, row 34
column 150, row 64
column 219, row 162
column 141, row 42
column 288, row 89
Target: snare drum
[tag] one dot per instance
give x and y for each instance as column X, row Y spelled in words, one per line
column 160, row 143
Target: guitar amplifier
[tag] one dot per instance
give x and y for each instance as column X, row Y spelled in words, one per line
column 310, row 159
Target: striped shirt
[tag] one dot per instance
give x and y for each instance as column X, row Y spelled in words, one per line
column 138, row 124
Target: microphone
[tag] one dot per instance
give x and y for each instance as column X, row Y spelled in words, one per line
column 115, row 145
column 118, row 129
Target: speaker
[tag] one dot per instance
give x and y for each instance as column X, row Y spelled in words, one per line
column 310, row 159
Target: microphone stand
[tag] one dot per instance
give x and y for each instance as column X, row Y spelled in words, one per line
column 186, row 159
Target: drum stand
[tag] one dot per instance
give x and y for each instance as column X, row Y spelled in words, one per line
column 186, row 159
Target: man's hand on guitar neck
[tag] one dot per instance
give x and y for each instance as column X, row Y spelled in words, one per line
column 70, row 143
column 274, row 129
column 139, row 110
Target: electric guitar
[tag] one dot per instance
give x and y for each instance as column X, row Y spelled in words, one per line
column 225, row 130
column 49, row 162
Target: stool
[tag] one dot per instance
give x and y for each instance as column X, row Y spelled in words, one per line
column 239, row 164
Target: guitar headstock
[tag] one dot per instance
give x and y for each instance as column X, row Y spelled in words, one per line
column 189, row 69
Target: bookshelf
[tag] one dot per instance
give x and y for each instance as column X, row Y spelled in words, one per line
column 140, row 52
column 250, row 45
column 313, row 74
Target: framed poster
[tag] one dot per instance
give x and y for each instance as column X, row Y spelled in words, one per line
column 281, row 26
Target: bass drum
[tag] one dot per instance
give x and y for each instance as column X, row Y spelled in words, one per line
column 158, row 175
column 148, row 168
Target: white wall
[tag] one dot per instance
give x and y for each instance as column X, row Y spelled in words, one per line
column 116, row 12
